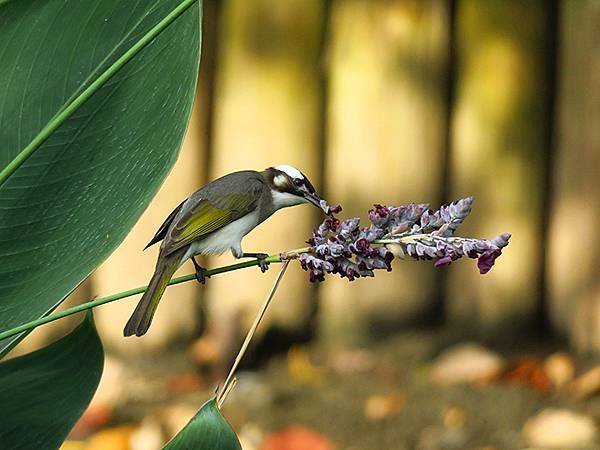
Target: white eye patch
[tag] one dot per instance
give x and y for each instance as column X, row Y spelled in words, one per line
column 280, row 180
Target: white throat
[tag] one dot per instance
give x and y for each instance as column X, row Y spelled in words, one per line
column 285, row 199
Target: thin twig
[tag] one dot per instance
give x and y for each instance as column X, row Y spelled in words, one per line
column 261, row 312
column 227, row 389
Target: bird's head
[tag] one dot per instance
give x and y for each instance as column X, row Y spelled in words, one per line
column 291, row 187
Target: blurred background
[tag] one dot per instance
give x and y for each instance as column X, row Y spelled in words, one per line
column 380, row 101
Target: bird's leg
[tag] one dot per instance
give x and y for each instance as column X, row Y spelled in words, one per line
column 264, row 265
column 199, row 271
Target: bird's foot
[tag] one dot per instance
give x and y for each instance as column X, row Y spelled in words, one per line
column 200, row 276
column 261, row 258
column 264, row 265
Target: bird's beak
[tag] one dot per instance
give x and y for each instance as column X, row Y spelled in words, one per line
column 316, row 200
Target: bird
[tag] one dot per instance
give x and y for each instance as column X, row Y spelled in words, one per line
column 215, row 219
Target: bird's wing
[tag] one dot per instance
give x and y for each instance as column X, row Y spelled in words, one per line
column 162, row 231
column 208, row 215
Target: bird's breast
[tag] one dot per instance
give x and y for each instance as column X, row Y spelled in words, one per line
column 230, row 236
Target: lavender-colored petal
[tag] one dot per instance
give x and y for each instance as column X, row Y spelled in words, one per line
column 336, row 250
column 330, row 209
column 379, row 216
column 371, row 234
column 348, row 227
column 502, row 240
column 443, row 261
column 487, row 259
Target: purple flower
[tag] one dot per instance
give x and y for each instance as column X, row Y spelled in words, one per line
column 443, row 261
column 351, row 251
column 330, row 209
column 487, row 259
column 379, row 215
column 444, row 250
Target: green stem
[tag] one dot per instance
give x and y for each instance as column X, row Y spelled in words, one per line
column 277, row 258
column 111, row 298
column 66, row 112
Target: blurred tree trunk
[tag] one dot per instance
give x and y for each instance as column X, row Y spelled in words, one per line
column 574, row 240
column 386, row 135
column 500, row 136
column 267, row 113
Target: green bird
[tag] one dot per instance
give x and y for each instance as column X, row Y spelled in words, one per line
column 214, row 219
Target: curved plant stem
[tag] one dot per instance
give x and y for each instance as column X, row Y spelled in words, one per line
column 111, row 298
column 277, row 258
column 230, row 380
column 68, row 110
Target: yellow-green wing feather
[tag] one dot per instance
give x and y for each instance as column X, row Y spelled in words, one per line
column 206, row 217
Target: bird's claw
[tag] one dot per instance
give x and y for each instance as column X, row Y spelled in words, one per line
column 200, row 276
column 260, row 258
column 263, row 264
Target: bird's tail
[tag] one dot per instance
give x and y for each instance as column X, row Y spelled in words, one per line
column 140, row 320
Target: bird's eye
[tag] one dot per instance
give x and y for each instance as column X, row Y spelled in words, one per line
column 298, row 181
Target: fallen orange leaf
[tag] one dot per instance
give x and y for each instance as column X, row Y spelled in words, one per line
column 297, row 438
column 530, row 372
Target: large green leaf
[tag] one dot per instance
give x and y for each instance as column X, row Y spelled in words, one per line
column 43, row 393
column 74, row 200
column 208, row 430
